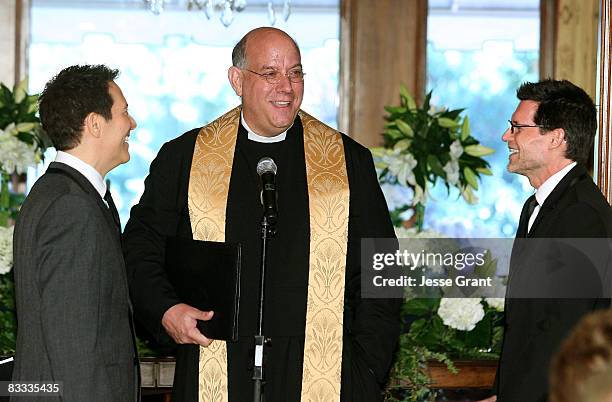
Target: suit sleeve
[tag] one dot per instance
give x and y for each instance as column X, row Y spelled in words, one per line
column 152, row 220
column 375, row 327
column 70, row 276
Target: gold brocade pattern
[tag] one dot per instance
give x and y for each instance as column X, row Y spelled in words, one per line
column 328, row 191
column 209, row 181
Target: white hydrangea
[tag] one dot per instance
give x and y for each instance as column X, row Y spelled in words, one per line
column 6, row 249
column 461, row 313
column 496, row 302
column 16, row 155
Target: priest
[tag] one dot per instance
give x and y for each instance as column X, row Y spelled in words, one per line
column 327, row 342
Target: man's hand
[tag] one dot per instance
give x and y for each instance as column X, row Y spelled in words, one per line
column 180, row 322
column 490, row 399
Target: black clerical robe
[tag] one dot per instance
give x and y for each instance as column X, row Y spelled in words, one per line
column 371, row 326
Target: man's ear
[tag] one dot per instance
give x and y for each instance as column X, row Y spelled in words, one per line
column 557, row 137
column 234, row 74
column 93, row 124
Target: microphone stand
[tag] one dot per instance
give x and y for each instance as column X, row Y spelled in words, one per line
column 267, row 231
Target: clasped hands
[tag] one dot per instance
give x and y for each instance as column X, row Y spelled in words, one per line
column 181, row 320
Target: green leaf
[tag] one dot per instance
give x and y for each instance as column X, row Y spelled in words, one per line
column 25, row 127
column 394, row 134
column 478, row 150
column 419, row 177
column 419, row 307
column 409, row 100
column 447, row 123
column 468, row 195
column 485, row 171
column 378, row 152
column 434, row 164
column 426, row 101
column 402, row 145
column 465, row 129
column 395, row 109
column 404, row 128
column 32, row 102
column 471, row 177
column 20, row 91
column 489, row 268
column 480, row 336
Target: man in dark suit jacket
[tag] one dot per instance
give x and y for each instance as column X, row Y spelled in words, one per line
column 550, row 136
column 73, row 308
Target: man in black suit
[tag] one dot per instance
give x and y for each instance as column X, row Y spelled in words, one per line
column 73, row 308
column 328, row 343
column 550, row 136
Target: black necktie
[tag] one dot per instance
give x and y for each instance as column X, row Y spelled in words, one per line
column 113, row 209
column 528, row 209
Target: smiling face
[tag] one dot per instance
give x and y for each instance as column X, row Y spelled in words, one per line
column 529, row 148
column 115, row 131
column 268, row 109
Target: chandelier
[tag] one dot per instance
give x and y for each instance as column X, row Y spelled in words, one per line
column 226, row 9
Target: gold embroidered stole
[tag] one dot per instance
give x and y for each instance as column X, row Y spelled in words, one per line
column 328, row 192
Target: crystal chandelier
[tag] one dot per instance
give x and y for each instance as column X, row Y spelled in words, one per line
column 226, row 9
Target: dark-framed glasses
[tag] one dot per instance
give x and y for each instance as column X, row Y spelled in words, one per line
column 273, row 77
column 514, row 126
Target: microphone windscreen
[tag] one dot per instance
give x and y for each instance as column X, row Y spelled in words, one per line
column 266, row 165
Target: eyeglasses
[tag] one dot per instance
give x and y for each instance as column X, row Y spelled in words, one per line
column 514, row 126
column 274, row 77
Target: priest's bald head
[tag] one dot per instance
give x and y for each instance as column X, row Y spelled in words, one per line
column 267, row 74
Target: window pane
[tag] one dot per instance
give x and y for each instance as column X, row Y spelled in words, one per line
column 478, row 53
column 174, row 65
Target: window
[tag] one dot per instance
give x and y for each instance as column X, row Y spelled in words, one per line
column 174, row 65
column 478, row 53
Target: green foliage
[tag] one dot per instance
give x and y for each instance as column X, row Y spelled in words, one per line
column 8, row 321
column 427, row 338
column 18, row 118
column 19, row 108
column 439, row 144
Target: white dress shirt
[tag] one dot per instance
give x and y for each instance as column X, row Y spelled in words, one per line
column 545, row 189
column 91, row 174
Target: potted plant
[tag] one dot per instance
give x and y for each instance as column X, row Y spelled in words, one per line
column 422, row 145
column 22, row 143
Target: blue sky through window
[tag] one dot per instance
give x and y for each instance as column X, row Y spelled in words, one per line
column 173, row 66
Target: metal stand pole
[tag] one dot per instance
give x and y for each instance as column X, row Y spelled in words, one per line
column 267, row 230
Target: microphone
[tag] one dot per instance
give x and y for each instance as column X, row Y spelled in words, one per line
column 266, row 169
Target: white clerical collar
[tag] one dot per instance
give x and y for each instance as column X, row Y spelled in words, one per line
column 260, row 138
column 91, row 174
column 549, row 185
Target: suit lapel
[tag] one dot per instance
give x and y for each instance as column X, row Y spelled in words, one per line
column 87, row 187
column 521, row 231
column 570, row 179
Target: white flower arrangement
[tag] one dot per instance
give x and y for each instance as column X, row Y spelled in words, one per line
column 461, row 313
column 6, row 249
column 497, row 303
column 17, row 156
column 413, row 233
column 424, row 144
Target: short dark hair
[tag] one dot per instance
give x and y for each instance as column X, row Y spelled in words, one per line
column 564, row 105
column 69, row 97
column 239, row 56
